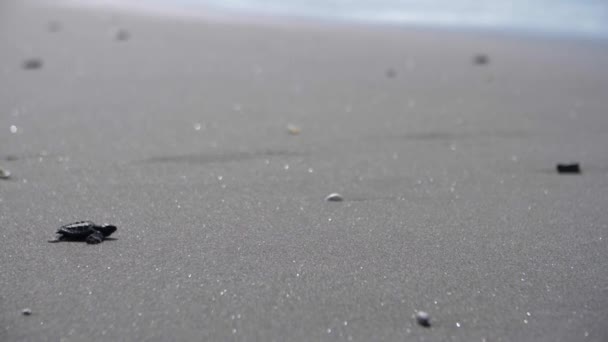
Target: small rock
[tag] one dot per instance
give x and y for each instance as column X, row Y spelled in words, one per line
column 26, row 312
column 122, row 35
column 423, row 318
column 293, row 129
column 5, row 174
column 334, row 197
column 11, row 157
column 481, row 59
column 54, row 26
column 32, row 63
column 568, row 168
column 391, row 73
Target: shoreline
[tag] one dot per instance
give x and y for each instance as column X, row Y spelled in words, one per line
column 251, row 17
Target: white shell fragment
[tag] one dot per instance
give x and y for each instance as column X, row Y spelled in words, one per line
column 5, row 174
column 293, row 129
column 423, row 318
column 334, row 197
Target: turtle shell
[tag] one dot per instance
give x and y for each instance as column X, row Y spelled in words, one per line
column 77, row 229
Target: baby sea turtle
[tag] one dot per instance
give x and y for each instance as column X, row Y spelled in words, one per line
column 84, row 231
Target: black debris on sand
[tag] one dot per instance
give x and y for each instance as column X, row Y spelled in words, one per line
column 32, row 64
column 481, row 59
column 572, row 168
column 122, row 35
column 54, row 26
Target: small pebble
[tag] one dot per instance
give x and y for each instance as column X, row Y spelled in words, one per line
column 293, row 129
column 334, row 197
column 481, row 59
column 391, row 73
column 26, row 312
column 423, row 318
column 568, row 168
column 31, row 64
column 122, row 35
column 54, row 26
column 5, row 174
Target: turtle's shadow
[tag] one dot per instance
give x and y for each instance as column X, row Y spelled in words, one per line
column 553, row 171
column 108, row 239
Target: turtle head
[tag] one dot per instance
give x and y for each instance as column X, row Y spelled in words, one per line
column 107, row 229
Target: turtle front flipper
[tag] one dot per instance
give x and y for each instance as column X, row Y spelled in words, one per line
column 95, row 238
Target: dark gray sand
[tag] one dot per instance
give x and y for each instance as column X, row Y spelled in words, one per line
column 452, row 204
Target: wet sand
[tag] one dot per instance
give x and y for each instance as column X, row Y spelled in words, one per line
column 178, row 133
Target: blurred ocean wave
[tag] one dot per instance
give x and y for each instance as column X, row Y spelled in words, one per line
column 562, row 17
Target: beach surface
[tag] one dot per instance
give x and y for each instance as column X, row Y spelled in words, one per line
column 212, row 144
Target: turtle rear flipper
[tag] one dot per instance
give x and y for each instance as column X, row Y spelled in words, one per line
column 94, row 238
